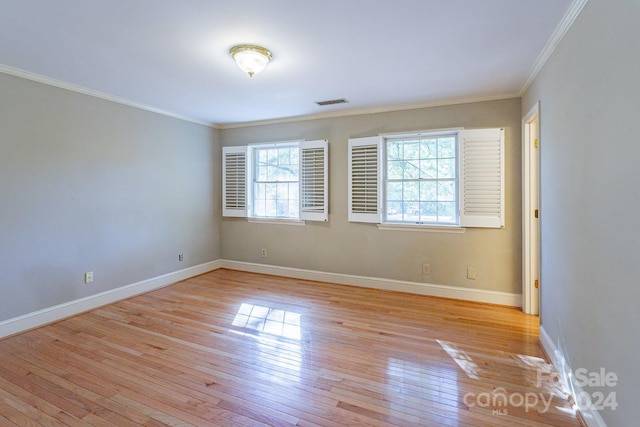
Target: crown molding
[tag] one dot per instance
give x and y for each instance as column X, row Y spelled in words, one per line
column 562, row 28
column 371, row 110
column 17, row 72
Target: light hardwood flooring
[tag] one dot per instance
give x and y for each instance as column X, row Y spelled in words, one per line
column 241, row 349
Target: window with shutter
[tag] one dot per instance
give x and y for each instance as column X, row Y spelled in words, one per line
column 314, row 201
column 286, row 180
column 234, row 181
column 364, row 180
column 433, row 178
column 482, row 184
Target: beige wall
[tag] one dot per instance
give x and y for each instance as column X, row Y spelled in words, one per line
column 362, row 249
column 91, row 185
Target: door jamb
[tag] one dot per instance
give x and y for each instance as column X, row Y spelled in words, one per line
column 530, row 261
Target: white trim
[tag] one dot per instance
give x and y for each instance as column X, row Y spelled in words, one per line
column 422, row 228
column 27, row 75
column 371, row 110
column 424, row 132
column 61, row 311
column 530, row 202
column 72, row 308
column 276, row 221
column 467, row 294
column 592, row 417
column 562, row 28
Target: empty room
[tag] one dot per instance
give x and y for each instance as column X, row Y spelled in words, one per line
column 303, row 213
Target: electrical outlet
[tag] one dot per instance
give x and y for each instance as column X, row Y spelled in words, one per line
column 263, row 252
column 88, row 277
column 180, row 257
column 471, row 273
column 426, row 269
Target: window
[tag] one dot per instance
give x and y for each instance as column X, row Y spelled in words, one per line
column 421, row 180
column 276, row 181
column 275, row 185
column 453, row 178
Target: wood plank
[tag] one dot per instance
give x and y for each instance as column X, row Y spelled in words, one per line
column 188, row 354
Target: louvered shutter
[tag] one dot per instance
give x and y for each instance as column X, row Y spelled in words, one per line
column 314, row 179
column 234, row 181
column 482, row 178
column 365, row 182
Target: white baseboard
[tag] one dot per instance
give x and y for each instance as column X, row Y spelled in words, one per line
column 477, row 295
column 71, row 308
column 591, row 416
column 51, row 314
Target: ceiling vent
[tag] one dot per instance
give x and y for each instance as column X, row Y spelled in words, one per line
column 332, row 102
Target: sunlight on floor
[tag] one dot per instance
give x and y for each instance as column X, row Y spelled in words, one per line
column 268, row 320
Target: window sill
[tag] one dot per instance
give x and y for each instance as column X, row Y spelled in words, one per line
column 454, row 229
column 277, row 221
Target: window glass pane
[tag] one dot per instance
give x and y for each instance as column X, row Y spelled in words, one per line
column 446, row 211
column 394, row 211
column 446, row 191
column 293, row 192
column 282, row 192
column 283, row 156
column 260, row 207
column 282, row 208
column 294, row 172
column 412, row 211
column 412, row 150
column 394, row 191
column 446, row 168
column 429, row 211
column 294, row 208
column 447, row 147
column 270, row 208
column 428, row 169
column 411, row 191
column 428, row 191
column 395, row 150
column 412, row 169
column 272, row 156
column 428, row 149
column 395, row 170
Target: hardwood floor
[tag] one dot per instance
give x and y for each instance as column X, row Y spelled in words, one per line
column 230, row 348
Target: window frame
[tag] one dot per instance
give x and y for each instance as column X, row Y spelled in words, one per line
column 386, row 140
column 254, row 174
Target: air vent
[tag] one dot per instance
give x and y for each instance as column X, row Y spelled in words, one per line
column 332, row 102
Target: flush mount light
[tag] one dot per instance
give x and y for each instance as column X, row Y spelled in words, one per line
column 250, row 58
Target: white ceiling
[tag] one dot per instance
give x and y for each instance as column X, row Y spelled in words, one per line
column 172, row 55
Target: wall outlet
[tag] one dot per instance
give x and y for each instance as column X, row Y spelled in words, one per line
column 263, row 252
column 471, row 273
column 88, row 277
column 426, row 269
column 180, row 257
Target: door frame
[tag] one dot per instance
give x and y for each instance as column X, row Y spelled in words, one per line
column 531, row 257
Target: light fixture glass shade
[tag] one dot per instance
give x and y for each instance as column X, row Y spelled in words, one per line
column 250, row 58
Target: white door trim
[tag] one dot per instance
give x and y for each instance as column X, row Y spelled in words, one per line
column 530, row 203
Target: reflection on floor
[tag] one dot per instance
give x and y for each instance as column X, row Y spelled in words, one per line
column 232, row 348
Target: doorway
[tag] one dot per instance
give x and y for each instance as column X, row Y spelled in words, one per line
column 531, row 211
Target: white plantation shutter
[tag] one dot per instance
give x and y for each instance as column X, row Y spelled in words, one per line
column 365, row 183
column 314, row 179
column 235, row 164
column 482, row 178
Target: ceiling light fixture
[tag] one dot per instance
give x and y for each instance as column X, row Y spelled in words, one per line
column 250, row 58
